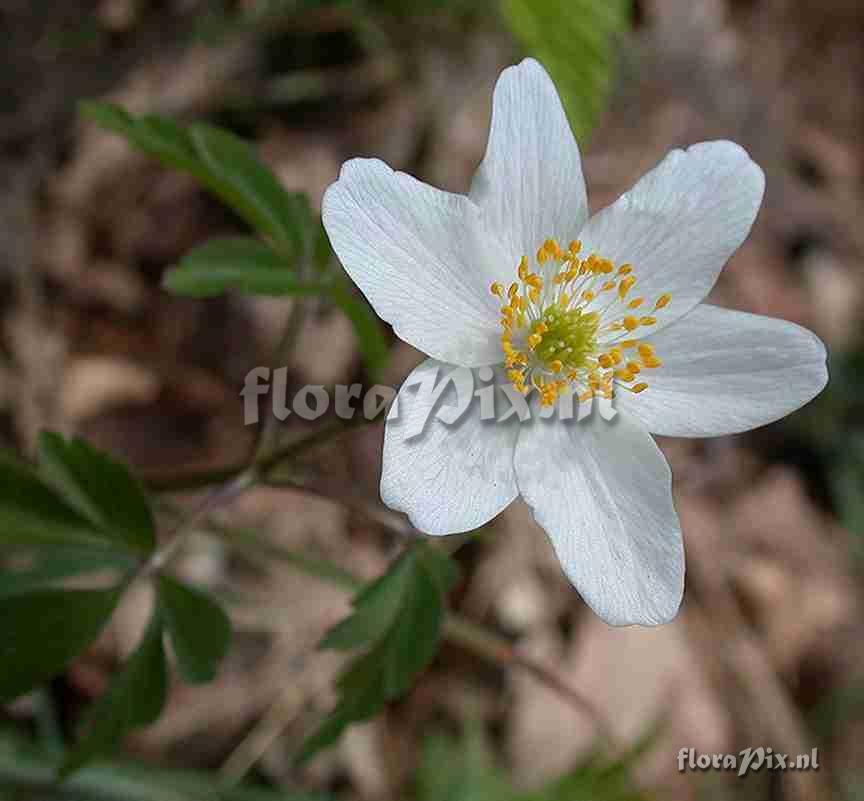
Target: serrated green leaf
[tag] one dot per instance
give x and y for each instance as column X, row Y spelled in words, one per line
column 240, row 263
column 224, row 164
column 32, row 514
column 284, row 217
column 101, row 489
column 45, row 630
column 135, row 698
column 375, row 609
column 410, row 597
column 574, row 40
column 200, row 630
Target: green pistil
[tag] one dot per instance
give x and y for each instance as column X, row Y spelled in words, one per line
column 571, row 338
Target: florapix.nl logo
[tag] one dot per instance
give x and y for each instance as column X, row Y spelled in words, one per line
column 436, row 391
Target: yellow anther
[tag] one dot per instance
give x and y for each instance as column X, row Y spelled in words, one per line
column 637, row 388
column 587, row 296
column 606, row 266
column 662, row 301
column 556, row 366
column 542, row 255
column 607, row 286
column 625, row 285
column 514, row 375
column 496, row 289
column 523, row 268
column 564, row 300
column 623, row 375
column 630, row 323
column 625, row 269
column 651, row 361
column 513, row 290
column 647, row 320
column 635, row 303
column 507, row 311
column 627, row 343
column 645, row 350
column 616, row 355
column 575, row 246
column 534, row 280
column 534, row 294
column 540, row 327
column 534, row 340
column 553, row 249
column 633, row 367
column 604, row 361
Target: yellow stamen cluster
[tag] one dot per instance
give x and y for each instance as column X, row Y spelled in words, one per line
column 563, row 325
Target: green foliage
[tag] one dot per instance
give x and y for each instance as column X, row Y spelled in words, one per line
column 221, row 162
column 32, row 514
column 100, row 489
column 227, row 166
column 26, row 769
column 238, row 263
column 200, row 631
column 80, row 512
column 465, row 770
column 135, row 698
column 398, row 619
column 574, row 39
column 461, row 771
column 78, row 496
column 45, row 629
column 46, row 567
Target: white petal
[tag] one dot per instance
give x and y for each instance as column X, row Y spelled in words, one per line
column 726, row 371
column 416, row 253
column 680, row 224
column 602, row 492
column 530, row 184
column 453, row 477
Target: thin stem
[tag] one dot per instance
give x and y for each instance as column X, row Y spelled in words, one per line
column 177, row 536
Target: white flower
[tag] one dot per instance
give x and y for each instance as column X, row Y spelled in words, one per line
column 614, row 309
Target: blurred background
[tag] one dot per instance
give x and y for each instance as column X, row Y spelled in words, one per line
column 768, row 648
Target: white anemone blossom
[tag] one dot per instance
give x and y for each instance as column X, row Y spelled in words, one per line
column 516, row 276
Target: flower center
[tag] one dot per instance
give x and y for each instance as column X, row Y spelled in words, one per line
column 571, row 323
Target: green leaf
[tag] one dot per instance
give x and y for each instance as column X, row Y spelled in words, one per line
column 399, row 619
column 241, row 263
column 574, row 40
column 224, row 164
column 45, row 630
column 101, row 489
column 31, row 772
column 32, row 514
column 135, row 698
column 461, row 770
column 373, row 346
column 49, row 567
column 200, row 631
column 284, row 217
